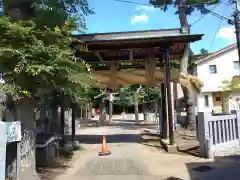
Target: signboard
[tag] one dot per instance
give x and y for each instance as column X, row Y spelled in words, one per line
column 13, row 131
column 3, row 143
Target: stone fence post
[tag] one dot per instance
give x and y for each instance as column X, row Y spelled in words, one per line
column 204, row 135
column 237, row 112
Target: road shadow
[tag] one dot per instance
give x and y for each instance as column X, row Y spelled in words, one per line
column 114, row 138
column 193, row 151
column 127, row 121
column 58, row 167
column 222, row 168
column 188, row 144
column 151, row 140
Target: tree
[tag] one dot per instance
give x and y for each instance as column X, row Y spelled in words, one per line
column 231, row 88
column 46, row 15
column 136, row 94
column 49, row 13
column 203, row 51
column 34, row 62
column 129, row 95
column 184, row 8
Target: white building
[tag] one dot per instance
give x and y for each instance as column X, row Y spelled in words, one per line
column 213, row 70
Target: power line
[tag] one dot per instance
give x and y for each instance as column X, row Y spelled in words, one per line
column 221, row 17
column 215, row 34
column 207, row 3
column 132, row 2
column 208, row 10
column 147, row 4
column 195, row 22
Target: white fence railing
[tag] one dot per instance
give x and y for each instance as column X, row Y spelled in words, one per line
column 218, row 133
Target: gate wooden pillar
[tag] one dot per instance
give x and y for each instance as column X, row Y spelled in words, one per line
column 110, row 107
column 169, row 94
column 62, row 119
column 73, row 121
column 163, row 118
column 114, row 86
column 164, row 112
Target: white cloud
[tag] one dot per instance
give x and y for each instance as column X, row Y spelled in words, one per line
column 227, row 33
column 139, row 18
column 145, row 8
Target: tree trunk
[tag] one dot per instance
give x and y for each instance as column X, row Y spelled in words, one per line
column 188, row 96
column 25, row 113
column 136, row 108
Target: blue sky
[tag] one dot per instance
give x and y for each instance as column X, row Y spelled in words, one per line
column 115, row 16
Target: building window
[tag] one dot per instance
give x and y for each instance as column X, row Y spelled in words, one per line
column 236, row 67
column 212, row 69
column 218, row 98
column 206, row 101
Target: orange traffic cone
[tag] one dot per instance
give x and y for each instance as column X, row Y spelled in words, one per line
column 105, row 150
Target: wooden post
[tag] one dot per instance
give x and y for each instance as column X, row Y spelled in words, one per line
column 81, row 112
column 62, row 120
column 164, row 112
column 110, row 107
column 174, row 105
column 163, row 104
column 237, row 112
column 86, row 112
column 169, row 95
column 73, row 121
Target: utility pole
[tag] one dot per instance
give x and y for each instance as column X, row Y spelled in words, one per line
column 236, row 16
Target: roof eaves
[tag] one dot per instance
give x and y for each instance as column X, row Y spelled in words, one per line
column 129, row 35
column 193, row 37
column 218, row 53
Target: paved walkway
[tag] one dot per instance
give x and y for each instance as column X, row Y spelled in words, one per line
column 134, row 161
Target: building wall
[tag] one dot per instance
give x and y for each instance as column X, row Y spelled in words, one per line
column 226, row 69
column 232, row 103
column 201, row 104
